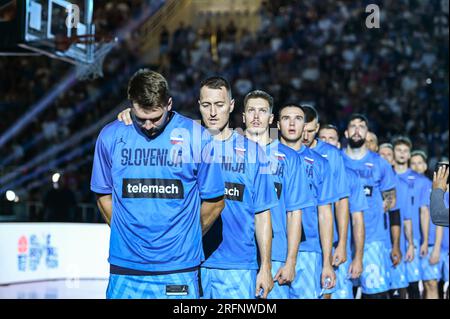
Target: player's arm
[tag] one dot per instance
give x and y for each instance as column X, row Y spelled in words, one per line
column 342, row 217
column 104, row 203
column 359, row 236
column 389, row 199
column 436, row 252
column 326, row 240
column 407, row 224
column 425, row 227
column 286, row 274
column 210, row 210
column 263, row 232
column 395, row 225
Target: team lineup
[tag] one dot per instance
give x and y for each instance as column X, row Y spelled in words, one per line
column 205, row 212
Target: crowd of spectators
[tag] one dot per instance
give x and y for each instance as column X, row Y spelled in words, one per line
column 315, row 52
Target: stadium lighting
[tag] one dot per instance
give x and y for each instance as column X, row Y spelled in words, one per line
column 429, row 81
column 10, row 195
column 56, row 177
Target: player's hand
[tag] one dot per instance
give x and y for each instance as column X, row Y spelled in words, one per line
column 396, row 256
column 328, row 272
column 264, row 283
column 125, row 116
column 409, row 257
column 286, row 274
column 435, row 256
column 356, row 268
column 424, row 250
column 340, row 255
column 440, row 178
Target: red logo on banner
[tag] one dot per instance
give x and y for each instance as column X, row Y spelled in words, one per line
column 23, row 245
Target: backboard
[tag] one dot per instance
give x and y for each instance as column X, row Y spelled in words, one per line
column 47, row 20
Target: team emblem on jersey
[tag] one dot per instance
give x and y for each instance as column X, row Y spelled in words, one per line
column 240, row 151
column 280, row 156
column 368, row 190
column 309, row 160
column 175, row 140
column 369, row 165
column 121, row 141
column 411, row 177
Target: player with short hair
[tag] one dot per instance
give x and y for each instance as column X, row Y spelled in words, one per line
column 157, row 197
column 400, row 215
column 231, row 268
column 292, row 189
column 341, row 206
column 372, row 142
column 386, row 151
column 427, row 236
column 314, row 265
column 357, row 204
column 420, row 188
column 379, row 186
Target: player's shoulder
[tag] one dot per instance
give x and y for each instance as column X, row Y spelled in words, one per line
column 377, row 159
column 286, row 150
column 317, row 157
column 329, row 149
column 110, row 130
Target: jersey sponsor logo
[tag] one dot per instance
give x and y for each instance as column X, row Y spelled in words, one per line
column 278, row 189
column 368, row 190
column 151, row 157
column 234, row 191
column 152, row 188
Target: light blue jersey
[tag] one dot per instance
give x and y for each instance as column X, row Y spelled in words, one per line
column 377, row 177
column 322, row 187
column 334, row 157
column 419, row 196
column 157, row 186
column 291, row 184
column 249, row 190
column 357, row 200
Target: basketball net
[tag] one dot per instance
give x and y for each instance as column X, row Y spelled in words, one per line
column 94, row 70
column 100, row 46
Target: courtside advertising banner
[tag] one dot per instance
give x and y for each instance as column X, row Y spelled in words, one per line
column 34, row 252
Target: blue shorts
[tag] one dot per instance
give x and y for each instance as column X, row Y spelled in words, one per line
column 152, row 287
column 375, row 276
column 228, row 283
column 445, row 266
column 278, row 292
column 430, row 272
column 344, row 284
column 307, row 282
column 413, row 268
column 398, row 276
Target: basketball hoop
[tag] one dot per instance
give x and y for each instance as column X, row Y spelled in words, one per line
column 98, row 47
